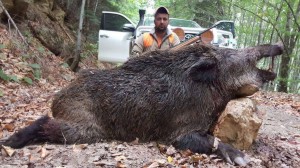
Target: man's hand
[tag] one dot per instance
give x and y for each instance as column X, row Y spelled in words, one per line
column 134, row 54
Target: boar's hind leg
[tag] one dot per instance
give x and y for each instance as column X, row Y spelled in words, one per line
column 26, row 135
column 57, row 131
column 204, row 143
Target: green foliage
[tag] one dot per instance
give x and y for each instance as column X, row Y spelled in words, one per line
column 41, row 49
column 130, row 8
column 6, row 77
column 65, row 65
column 203, row 12
column 37, row 74
column 36, row 70
column 1, row 93
column 25, row 56
column 28, row 80
column 14, row 78
column 89, row 14
column 2, row 46
column 35, row 66
column 89, row 49
column 3, row 76
column 27, row 33
column 16, row 46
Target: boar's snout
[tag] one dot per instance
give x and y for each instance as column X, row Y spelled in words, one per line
column 270, row 50
column 267, row 75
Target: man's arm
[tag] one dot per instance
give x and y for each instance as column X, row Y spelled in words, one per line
column 137, row 47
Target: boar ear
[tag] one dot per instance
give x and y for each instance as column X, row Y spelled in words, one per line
column 205, row 70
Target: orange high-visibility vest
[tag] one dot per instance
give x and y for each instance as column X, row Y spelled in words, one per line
column 148, row 39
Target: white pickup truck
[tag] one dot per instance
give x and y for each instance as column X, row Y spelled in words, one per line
column 117, row 34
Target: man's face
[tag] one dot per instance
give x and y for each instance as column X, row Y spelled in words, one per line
column 161, row 22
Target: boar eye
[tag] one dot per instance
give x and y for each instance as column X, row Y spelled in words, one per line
column 205, row 70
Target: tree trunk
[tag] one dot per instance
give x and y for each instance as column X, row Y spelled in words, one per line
column 290, row 41
column 96, row 5
column 76, row 61
column 277, row 18
column 260, row 30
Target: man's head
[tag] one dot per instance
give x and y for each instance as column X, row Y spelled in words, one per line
column 161, row 19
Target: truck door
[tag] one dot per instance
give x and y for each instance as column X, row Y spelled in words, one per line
column 114, row 39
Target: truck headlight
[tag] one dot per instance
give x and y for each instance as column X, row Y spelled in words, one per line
column 207, row 37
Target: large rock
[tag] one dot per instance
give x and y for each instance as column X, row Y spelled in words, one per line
column 239, row 123
column 45, row 20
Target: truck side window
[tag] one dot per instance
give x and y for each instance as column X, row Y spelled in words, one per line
column 113, row 22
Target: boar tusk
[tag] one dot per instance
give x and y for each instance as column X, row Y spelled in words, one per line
column 247, row 90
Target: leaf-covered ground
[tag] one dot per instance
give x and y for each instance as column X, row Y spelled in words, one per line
column 277, row 145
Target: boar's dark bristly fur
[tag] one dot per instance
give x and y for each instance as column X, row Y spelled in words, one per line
column 169, row 96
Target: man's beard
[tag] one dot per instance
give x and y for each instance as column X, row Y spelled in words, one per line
column 160, row 30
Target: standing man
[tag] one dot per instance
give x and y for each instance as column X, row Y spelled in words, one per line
column 160, row 37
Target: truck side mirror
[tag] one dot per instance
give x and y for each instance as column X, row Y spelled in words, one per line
column 128, row 27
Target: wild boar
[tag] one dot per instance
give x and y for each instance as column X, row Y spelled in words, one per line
column 169, row 96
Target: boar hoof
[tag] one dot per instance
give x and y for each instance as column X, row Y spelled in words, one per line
column 240, row 161
column 204, row 143
column 231, row 155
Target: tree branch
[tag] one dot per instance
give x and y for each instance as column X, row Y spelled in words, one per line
column 291, row 9
column 267, row 21
column 12, row 21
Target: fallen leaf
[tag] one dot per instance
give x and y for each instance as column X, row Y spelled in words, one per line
column 44, row 152
column 8, row 150
column 293, row 142
column 197, row 158
column 217, row 160
column 120, row 165
column 161, row 162
column 162, row 148
column 283, row 138
column 29, row 122
column 182, row 161
column 22, row 105
column 296, row 106
column 116, row 154
column 9, row 127
column 121, row 147
column 103, row 163
column 120, row 158
column 171, row 150
column 183, row 166
column 135, row 142
column 186, row 153
column 170, row 159
column 33, row 159
column 79, row 147
column 153, row 165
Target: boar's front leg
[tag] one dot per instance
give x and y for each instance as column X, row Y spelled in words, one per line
column 204, row 143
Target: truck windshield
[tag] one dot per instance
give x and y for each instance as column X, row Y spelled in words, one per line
column 183, row 23
column 149, row 21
